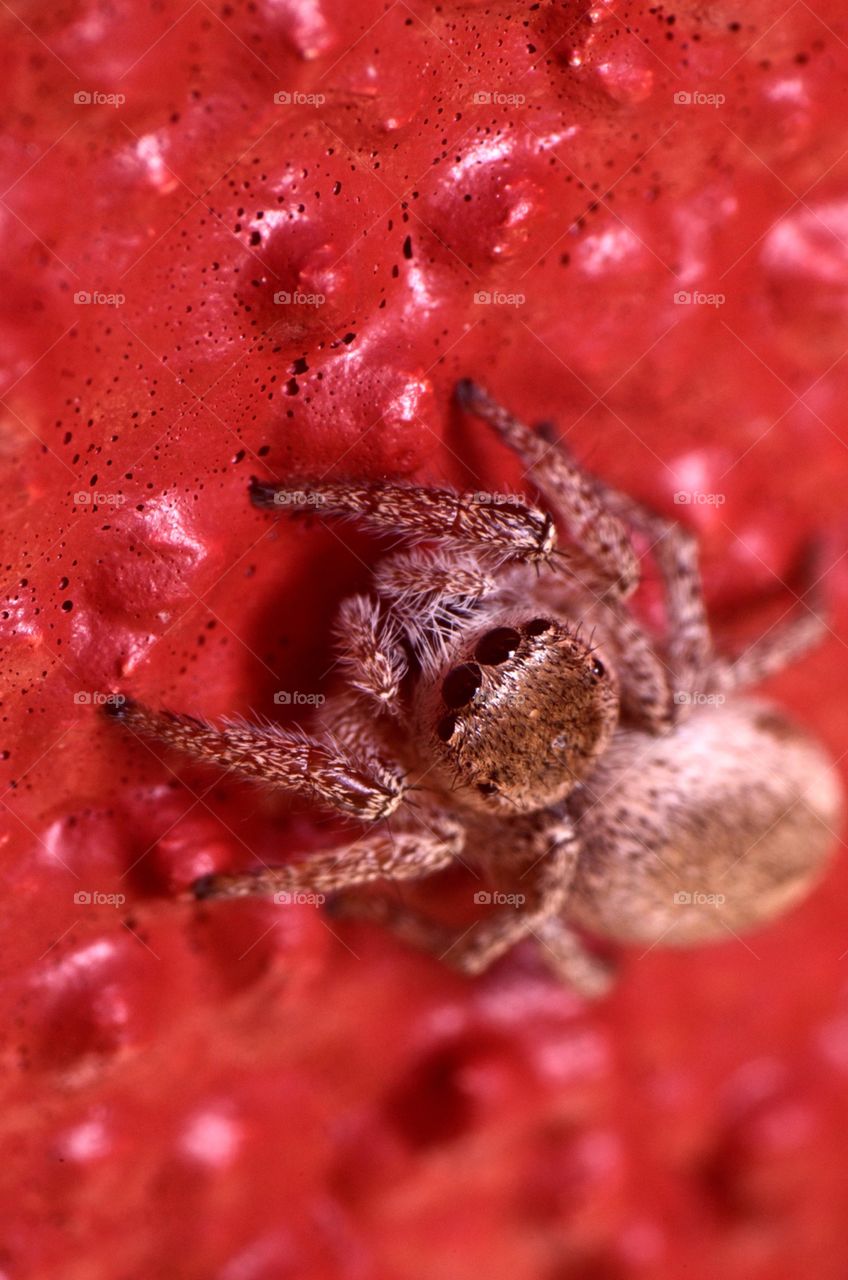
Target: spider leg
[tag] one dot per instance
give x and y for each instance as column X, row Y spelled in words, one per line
column 574, row 493
column 432, row 591
column 381, row 854
column 359, row 785
column 675, row 549
column 565, row 954
column 407, row 924
column 422, row 594
column 657, row 683
column 370, row 653
column 432, row 585
column 785, row 642
column 473, row 950
column 599, row 517
column 506, row 529
column 644, row 688
column 550, row 851
column 778, row 648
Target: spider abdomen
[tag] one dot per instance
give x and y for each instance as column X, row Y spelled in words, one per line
column 705, row 834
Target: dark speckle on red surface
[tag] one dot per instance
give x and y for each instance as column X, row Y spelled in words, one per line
column 269, row 238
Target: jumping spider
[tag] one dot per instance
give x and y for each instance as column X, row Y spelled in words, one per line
column 506, row 683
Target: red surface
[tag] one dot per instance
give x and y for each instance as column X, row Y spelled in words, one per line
column 237, row 1091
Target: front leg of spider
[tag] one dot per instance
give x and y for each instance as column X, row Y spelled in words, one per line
column 507, row 530
column 359, row 786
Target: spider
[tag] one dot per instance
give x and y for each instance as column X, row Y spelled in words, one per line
column 503, row 706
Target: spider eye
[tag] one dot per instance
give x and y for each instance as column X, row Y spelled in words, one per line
column 446, row 728
column 538, row 626
column 497, row 646
column 486, row 788
column 598, row 669
column 461, row 684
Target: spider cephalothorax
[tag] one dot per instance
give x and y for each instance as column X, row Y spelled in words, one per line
column 517, row 714
column 509, row 683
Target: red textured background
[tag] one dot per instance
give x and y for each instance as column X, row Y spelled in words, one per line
column 237, row 1091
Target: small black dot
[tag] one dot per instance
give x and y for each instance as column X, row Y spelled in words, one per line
column 67, row 605
column 538, row 626
column 446, row 728
column 497, row 646
column 462, row 684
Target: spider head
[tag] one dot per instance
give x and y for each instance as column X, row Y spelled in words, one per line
column 519, row 715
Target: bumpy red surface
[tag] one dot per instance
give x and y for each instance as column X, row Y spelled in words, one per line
column 242, row 1092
